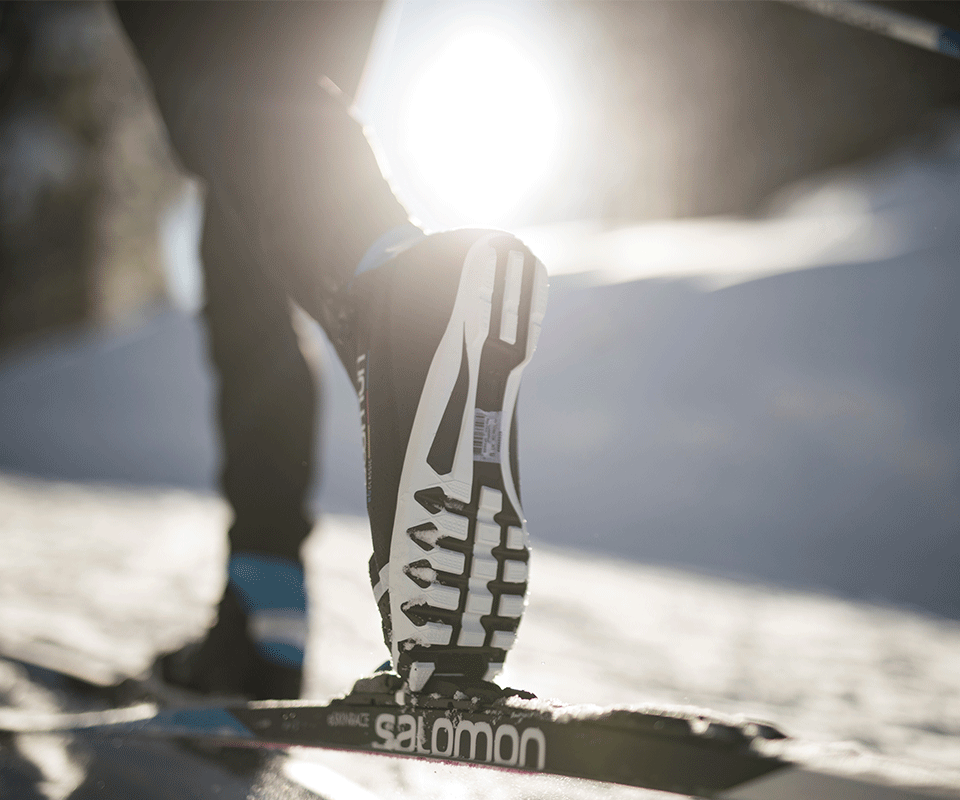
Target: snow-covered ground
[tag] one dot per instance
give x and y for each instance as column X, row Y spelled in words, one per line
column 109, row 576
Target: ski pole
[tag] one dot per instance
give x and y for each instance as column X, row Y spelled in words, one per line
column 883, row 21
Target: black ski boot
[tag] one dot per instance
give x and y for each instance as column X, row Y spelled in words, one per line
column 443, row 326
column 255, row 648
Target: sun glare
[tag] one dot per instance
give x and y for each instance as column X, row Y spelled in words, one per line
column 480, row 126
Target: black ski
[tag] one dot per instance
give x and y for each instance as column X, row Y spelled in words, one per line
column 137, row 767
column 676, row 750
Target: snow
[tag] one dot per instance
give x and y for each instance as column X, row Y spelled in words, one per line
column 110, row 576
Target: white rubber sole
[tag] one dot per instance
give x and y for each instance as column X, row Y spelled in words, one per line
column 458, row 560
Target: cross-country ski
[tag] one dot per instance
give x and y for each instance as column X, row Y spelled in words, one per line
column 679, row 750
column 150, row 767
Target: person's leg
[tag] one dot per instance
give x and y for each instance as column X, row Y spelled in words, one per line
column 267, row 415
column 434, row 333
column 266, row 399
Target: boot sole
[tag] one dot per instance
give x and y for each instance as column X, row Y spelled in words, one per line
column 459, row 550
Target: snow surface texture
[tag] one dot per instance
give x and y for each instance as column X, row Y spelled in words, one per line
column 111, row 576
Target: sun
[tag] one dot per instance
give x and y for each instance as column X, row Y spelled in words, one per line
column 479, row 126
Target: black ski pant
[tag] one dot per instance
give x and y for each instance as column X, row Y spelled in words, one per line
column 294, row 197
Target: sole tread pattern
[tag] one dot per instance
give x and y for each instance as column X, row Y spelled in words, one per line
column 459, row 551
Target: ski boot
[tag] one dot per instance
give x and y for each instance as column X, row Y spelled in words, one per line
column 439, row 331
column 255, row 648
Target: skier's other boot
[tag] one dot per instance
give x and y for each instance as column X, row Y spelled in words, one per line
column 443, row 326
column 255, row 648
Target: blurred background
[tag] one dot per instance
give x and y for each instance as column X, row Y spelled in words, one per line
column 751, row 360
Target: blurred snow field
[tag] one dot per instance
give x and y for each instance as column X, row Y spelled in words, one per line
column 104, row 578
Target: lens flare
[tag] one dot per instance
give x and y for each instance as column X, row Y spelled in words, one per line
column 480, row 126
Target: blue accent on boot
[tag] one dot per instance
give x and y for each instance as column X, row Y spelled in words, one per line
column 388, row 246
column 264, row 582
column 286, row 655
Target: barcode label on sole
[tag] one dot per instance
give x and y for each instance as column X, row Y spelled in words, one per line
column 486, row 436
